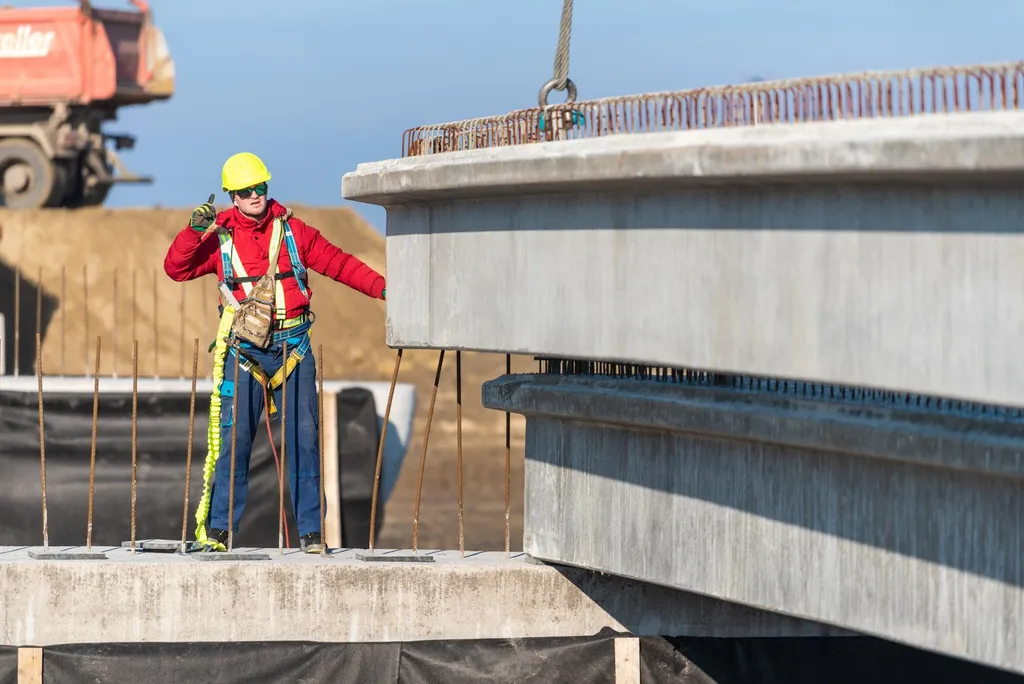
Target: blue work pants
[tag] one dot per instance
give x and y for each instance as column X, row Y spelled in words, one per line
column 302, row 460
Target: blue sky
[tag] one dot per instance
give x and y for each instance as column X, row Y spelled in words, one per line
column 316, row 86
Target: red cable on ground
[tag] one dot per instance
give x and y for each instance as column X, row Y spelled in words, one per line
column 273, row 449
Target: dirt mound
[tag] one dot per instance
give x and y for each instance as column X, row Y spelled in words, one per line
column 101, row 274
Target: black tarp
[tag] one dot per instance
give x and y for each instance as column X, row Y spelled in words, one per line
column 799, row 660
column 574, row 660
column 550, row 660
column 161, row 456
column 8, row 665
column 583, row 660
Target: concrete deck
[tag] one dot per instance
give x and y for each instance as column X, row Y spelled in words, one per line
column 881, row 253
column 900, row 524
column 170, row 597
column 928, row 146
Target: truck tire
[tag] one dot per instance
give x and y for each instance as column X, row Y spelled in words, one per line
column 27, row 177
column 96, row 195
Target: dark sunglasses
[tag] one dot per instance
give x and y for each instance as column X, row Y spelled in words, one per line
column 246, row 193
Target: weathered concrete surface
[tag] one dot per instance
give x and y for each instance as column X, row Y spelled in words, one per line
column 932, row 146
column 914, row 533
column 688, row 249
column 169, row 597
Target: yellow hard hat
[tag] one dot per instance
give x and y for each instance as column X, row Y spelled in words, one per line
column 243, row 170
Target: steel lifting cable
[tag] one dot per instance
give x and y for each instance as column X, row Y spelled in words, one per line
column 561, row 69
column 561, row 80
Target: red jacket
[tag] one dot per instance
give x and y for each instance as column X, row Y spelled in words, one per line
column 187, row 258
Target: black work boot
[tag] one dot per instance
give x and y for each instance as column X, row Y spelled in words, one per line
column 217, row 540
column 311, row 543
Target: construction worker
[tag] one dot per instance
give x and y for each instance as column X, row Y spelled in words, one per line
column 264, row 309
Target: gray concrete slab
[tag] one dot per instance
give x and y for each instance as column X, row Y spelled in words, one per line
column 927, row 146
column 886, row 430
column 154, row 545
column 892, row 262
column 762, row 508
column 65, row 553
column 298, row 596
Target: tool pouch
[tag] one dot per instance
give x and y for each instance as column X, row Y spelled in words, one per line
column 255, row 314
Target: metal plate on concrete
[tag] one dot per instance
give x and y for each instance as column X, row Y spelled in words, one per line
column 71, row 553
column 231, row 555
column 158, row 545
column 394, row 558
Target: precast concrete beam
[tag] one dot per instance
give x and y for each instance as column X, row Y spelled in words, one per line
column 881, row 253
column 888, row 520
column 168, row 597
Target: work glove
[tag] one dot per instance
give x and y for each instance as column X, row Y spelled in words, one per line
column 204, row 215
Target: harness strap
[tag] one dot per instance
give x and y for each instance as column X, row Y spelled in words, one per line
column 232, row 264
column 295, row 355
column 253, row 279
column 298, row 268
column 213, row 441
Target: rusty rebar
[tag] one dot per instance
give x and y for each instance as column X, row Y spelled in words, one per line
column 458, row 444
column 135, row 304
column 17, row 322
column 191, row 434
column 798, row 100
column 320, row 422
column 181, row 329
column 113, row 360
column 42, row 439
column 508, row 464
column 135, row 432
column 92, row 444
column 63, row 319
column 423, row 456
column 85, row 313
column 284, row 450
column 380, row 450
column 39, row 303
column 234, row 430
column 156, row 328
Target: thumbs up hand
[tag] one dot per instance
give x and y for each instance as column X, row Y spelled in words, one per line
column 204, row 215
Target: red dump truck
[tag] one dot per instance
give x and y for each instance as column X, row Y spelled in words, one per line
column 64, row 71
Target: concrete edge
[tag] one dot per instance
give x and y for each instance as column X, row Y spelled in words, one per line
column 924, row 146
column 171, row 598
column 922, row 437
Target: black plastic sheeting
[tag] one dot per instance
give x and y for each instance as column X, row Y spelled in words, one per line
column 8, row 665
column 579, row 660
column 798, row 660
column 585, row 660
column 162, row 446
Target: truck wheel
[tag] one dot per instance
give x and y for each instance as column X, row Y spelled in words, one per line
column 27, row 177
column 96, row 195
column 61, row 177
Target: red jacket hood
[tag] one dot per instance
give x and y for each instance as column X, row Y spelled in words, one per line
column 234, row 219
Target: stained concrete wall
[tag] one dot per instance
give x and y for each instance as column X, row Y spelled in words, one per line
column 883, row 253
column 899, row 523
column 172, row 598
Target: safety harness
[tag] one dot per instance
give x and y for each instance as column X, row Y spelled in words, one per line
column 293, row 330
